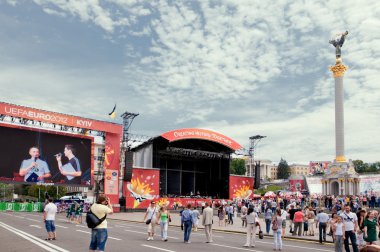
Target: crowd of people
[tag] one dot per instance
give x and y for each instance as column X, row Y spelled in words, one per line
column 348, row 220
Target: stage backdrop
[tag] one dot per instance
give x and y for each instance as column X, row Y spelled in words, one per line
column 241, row 187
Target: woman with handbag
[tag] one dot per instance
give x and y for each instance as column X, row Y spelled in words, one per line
column 251, row 228
column 151, row 222
column 164, row 217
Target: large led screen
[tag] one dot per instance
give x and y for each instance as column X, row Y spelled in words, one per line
column 29, row 156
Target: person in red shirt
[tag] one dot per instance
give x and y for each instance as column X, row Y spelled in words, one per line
column 298, row 221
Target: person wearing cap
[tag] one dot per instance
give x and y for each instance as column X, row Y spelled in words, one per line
column 151, row 212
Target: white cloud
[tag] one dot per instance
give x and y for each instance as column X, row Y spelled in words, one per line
column 249, row 67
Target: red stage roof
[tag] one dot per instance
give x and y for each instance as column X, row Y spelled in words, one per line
column 192, row 133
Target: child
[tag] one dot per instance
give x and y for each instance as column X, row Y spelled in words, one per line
column 338, row 234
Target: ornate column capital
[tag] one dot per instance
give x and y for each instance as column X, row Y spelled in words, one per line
column 338, row 71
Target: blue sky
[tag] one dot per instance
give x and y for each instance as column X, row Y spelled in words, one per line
column 241, row 68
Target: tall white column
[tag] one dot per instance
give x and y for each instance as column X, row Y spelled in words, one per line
column 338, row 71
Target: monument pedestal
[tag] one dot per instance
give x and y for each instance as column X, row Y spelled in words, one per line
column 341, row 179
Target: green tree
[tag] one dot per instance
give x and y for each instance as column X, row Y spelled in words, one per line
column 283, row 170
column 373, row 167
column 39, row 191
column 360, row 166
column 237, row 166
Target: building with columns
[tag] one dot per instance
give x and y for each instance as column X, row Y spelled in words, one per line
column 341, row 180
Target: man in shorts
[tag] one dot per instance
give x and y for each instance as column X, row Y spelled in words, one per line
column 49, row 217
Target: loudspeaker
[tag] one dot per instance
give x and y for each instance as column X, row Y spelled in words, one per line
column 257, row 176
column 128, row 166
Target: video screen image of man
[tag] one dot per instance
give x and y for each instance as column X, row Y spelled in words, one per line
column 34, row 169
column 71, row 170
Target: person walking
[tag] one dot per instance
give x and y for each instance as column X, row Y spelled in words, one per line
column 291, row 212
column 283, row 217
column 338, row 234
column 163, row 217
column 252, row 222
column 310, row 220
column 49, row 218
column 196, row 218
column 151, row 211
column 207, row 221
column 322, row 219
column 221, row 216
column 277, row 231
column 243, row 215
column 268, row 219
column 370, row 224
column 230, row 211
column 187, row 223
column 298, row 221
column 350, row 221
column 99, row 234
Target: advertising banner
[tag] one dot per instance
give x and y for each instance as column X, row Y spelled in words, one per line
column 111, row 182
column 41, row 157
column 318, row 167
column 241, row 187
column 369, row 184
column 144, row 187
column 296, row 185
column 171, row 203
column 57, row 118
column 203, row 134
column 21, row 207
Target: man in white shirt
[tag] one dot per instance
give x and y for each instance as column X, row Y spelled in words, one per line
column 49, row 218
column 350, row 221
column 322, row 219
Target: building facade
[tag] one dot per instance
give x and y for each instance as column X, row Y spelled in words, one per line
column 268, row 170
column 299, row 169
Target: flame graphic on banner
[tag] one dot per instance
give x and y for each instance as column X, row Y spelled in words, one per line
column 140, row 191
column 163, row 202
column 243, row 192
column 108, row 155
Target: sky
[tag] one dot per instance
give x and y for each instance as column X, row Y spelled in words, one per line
column 238, row 67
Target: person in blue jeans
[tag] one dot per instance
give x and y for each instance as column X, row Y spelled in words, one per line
column 187, row 223
column 268, row 219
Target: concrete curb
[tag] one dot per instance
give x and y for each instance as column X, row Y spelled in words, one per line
column 234, row 232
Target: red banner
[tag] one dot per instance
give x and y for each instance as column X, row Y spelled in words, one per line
column 203, row 134
column 111, row 166
column 241, row 187
column 143, row 188
column 57, row 118
column 296, row 185
column 169, row 202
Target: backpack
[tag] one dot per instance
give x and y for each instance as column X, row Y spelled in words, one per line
column 275, row 225
column 92, row 220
